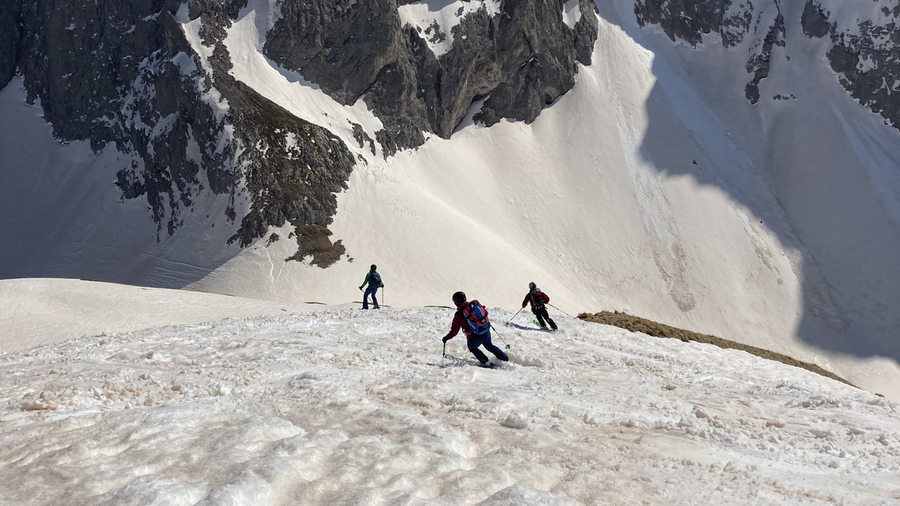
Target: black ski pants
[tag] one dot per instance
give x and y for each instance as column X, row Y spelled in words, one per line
column 542, row 315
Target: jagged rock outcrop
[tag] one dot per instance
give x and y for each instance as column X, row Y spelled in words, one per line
column 10, row 40
column 523, row 58
column 758, row 65
column 864, row 54
column 691, row 20
column 117, row 73
column 123, row 73
column 814, row 21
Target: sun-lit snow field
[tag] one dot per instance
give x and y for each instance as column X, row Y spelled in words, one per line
column 651, row 187
column 343, row 406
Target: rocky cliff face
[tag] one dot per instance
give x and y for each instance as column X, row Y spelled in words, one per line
column 863, row 53
column 123, row 73
column 10, row 39
column 690, row 21
column 522, row 57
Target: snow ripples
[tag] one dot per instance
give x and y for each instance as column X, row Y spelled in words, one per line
column 352, row 407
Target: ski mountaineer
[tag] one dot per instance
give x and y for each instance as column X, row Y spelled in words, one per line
column 373, row 279
column 537, row 298
column 472, row 318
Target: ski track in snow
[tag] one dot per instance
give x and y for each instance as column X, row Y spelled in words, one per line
column 343, row 406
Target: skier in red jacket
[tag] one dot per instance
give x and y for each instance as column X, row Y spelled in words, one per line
column 538, row 299
column 476, row 335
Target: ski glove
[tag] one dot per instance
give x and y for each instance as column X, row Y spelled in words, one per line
column 444, row 340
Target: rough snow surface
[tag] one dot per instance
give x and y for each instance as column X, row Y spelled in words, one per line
column 683, row 203
column 668, row 209
column 343, row 406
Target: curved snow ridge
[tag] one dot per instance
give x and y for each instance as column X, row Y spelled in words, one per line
column 351, row 406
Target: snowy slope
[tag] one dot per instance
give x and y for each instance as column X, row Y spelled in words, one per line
column 342, row 406
column 652, row 187
column 45, row 311
column 629, row 193
column 833, row 169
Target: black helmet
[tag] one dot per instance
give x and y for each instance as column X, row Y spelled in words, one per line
column 459, row 298
column 372, row 268
column 532, row 286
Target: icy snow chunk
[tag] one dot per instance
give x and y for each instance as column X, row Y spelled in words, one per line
column 526, row 361
column 517, row 495
column 592, row 419
column 38, row 406
column 515, row 421
column 821, row 434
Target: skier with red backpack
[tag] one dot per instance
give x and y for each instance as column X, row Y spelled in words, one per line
column 538, row 299
column 472, row 318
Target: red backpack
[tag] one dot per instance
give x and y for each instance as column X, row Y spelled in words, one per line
column 477, row 317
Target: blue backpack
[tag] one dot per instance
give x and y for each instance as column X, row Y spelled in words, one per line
column 477, row 317
column 375, row 280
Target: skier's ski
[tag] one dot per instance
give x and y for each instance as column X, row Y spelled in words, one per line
column 545, row 329
column 539, row 325
column 461, row 362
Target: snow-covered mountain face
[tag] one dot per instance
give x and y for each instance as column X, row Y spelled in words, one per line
column 122, row 74
column 125, row 74
column 862, row 48
column 731, row 167
column 832, row 166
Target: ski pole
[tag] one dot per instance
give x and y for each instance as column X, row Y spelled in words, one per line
column 501, row 337
column 513, row 316
column 560, row 310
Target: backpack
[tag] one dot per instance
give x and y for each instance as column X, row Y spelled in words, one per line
column 477, row 317
column 375, row 280
column 537, row 302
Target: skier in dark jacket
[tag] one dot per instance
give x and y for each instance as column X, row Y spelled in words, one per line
column 373, row 279
column 538, row 299
column 473, row 340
